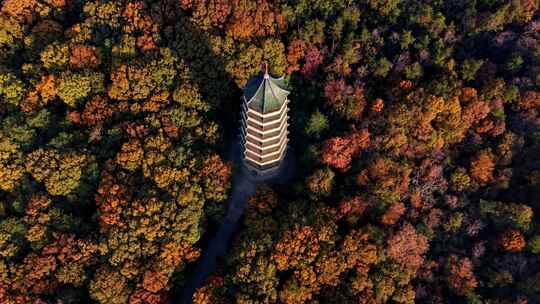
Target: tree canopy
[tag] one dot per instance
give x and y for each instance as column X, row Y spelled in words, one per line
column 415, row 124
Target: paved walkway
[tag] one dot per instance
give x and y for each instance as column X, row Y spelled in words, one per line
column 243, row 187
column 242, row 190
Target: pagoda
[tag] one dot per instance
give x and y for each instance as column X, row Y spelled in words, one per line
column 264, row 123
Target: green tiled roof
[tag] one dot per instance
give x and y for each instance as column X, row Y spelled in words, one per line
column 265, row 93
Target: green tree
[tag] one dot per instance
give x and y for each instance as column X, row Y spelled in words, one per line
column 383, row 67
column 317, row 124
column 469, row 68
column 534, row 244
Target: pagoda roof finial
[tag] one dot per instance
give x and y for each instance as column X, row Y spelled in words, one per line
column 264, row 93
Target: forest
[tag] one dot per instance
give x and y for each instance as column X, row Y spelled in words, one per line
column 415, row 124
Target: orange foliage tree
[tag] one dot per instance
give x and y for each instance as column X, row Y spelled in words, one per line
column 83, row 56
column 482, row 167
column 297, row 247
column 296, row 51
column 96, row 111
column 338, row 152
column 512, row 240
column 254, row 19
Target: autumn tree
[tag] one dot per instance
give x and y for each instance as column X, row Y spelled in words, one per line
column 296, row 51
column 11, row 88
column 216, row 178
column 460, row 275
column 109, row 286
column 74, row 87
column 346, row 100
column 254, row 19
column 11, row 163
column 61, row 173
column 97, row 110
column 140, row 79
column 321, row 181
column 518, row 216
column 314, row 57
column 296, row 248
column 482, row 167
column 407, row 247
column 338, row 152
column 512, row 241
column 83, row 56
column 392, row 215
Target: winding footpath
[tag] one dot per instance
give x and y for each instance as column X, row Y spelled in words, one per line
column 243, row 188
column 244, row 185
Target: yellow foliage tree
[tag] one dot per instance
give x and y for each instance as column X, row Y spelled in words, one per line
column 11, row 163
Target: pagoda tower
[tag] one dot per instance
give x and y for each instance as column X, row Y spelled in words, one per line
column 264, row 123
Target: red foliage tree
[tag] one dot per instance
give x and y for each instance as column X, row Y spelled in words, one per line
column 111, row 195
column 346, row 100
column 392, row 215
column 377, row 105
column 474, row 112
column 264, row 201
column 338, row 152
column 314, row 58
column 355, row 205
column 529, row 100
column 407, row 247
column 154, row 281
column 83, row 56
column 460, row 277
